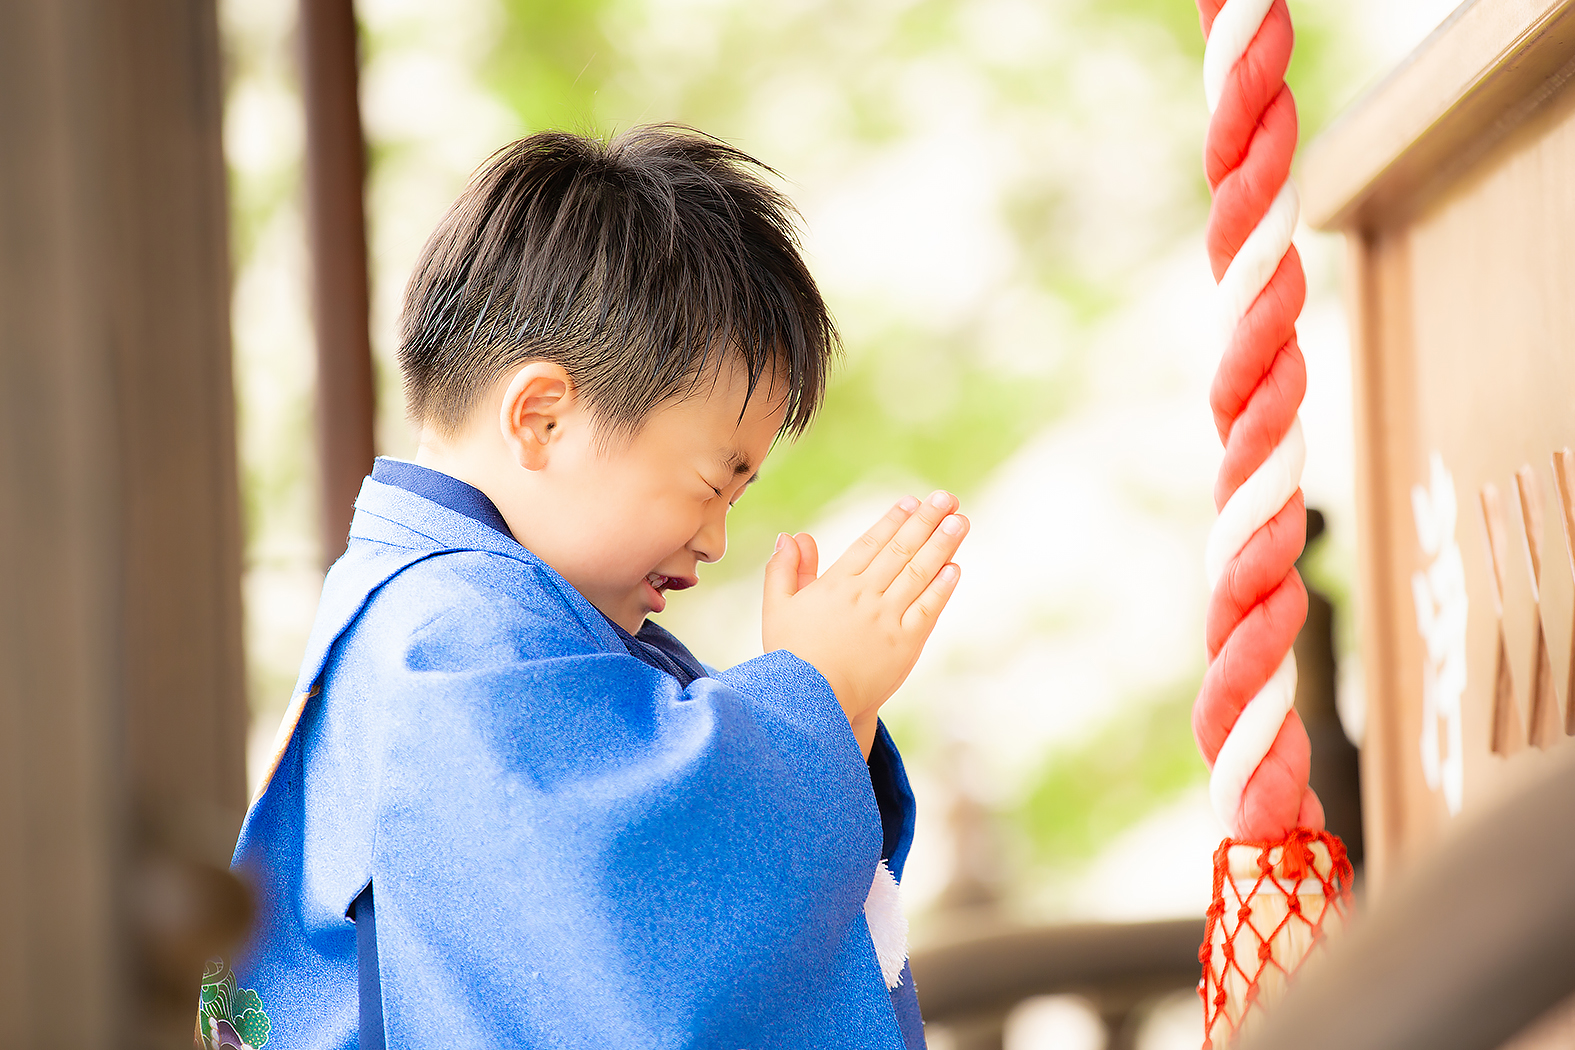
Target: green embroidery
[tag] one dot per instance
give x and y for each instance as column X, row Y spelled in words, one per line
column 229, row 1016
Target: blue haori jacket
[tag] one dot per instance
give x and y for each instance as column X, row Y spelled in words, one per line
column 567, row 848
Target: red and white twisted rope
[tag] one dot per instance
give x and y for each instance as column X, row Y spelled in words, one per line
column 1243, row 719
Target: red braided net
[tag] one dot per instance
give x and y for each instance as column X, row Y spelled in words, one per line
column 1270, row 904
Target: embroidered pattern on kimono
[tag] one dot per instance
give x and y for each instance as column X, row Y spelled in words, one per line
column 230, row 1016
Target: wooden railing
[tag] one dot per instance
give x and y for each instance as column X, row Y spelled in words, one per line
column 969, row 984
column 1468, row 948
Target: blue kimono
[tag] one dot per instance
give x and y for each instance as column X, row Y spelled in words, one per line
column 498, row 820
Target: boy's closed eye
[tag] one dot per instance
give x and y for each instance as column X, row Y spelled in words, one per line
column 743, row 489
column 717, row 489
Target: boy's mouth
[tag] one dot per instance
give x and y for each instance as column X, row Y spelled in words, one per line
column 660, row 583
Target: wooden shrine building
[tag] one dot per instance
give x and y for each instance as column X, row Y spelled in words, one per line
column 1453, row 182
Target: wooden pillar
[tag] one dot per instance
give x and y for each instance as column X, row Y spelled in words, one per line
column 335, row 177
column 122, row 715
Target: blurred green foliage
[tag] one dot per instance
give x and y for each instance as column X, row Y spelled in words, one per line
column 1089, row 792
column 552, row 59
column 1328, row 67
column 255, row 197
column 967, row 420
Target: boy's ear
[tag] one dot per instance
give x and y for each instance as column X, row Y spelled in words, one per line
column 535, row 402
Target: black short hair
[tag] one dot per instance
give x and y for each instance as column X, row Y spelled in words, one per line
column 635, row 264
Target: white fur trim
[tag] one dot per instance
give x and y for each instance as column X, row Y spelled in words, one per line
column 888, row 925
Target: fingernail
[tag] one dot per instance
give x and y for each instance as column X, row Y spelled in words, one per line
column 952, row 525
column 908, row 503
column 781, row 541
column 941, row 498
column 950, row 573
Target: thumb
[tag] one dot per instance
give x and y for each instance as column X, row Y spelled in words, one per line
column 808, row 559
column 782, row 569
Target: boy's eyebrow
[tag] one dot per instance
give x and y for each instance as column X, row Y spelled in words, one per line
column 738, row 463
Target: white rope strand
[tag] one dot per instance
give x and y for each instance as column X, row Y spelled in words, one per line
column 1259, row 499
column 1234, row 27
column 1250, row 272
column 1249, row 741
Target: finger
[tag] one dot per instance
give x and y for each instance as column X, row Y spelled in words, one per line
column 909, row 538
column 857, row 557
column 782, row 569
column 808, row 559
column 939, row 549
column 922, row 613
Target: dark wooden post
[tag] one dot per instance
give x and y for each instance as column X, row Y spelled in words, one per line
column 122, row 715
column 1335, row 774
column 335, row 177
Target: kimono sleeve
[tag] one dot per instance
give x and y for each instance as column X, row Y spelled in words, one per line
column 575, row 851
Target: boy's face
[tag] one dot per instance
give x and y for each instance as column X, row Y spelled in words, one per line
column 630, row 523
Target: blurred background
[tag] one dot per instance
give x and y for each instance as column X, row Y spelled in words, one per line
column 1004, row 203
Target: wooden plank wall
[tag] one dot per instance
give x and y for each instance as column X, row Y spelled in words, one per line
column 121, row 706
column 1467, row 350
column 1454, row 182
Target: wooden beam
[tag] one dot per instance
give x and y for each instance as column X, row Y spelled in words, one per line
column 1476, row 78
column 122, row 714
column 335, row 179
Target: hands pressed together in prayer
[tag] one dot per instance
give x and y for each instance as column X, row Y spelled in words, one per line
column 864, row 621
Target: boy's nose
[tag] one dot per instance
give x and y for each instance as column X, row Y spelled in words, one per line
column 710, row 543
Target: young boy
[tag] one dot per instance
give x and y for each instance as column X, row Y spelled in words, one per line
column 509, row 810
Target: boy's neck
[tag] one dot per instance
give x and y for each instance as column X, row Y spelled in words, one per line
column 435, row 456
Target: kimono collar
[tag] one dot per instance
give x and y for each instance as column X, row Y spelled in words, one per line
column 652, row 645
